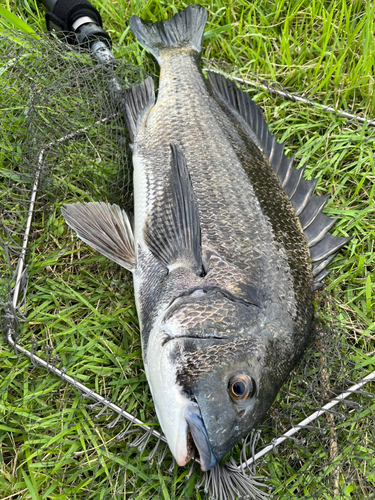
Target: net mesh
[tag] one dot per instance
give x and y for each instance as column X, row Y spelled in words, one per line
column 63, row 140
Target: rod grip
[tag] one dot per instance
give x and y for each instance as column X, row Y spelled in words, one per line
column 77, row 21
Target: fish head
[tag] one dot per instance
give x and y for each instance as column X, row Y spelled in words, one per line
column 210, row 374
column 233, row 389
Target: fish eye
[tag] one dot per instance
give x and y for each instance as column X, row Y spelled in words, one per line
column 241, row 387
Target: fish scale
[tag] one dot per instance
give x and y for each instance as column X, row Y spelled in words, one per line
column 284, row 223
column 223, row 270
column 258, row 247
column 217, row 176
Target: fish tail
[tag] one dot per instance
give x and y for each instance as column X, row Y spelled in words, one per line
column 183, row 30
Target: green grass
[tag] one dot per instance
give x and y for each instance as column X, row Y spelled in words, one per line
column 80, row 308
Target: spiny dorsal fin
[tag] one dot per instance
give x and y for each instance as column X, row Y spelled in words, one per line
column 184, row 30
column 104, row 227
column 137, row 100
column 173, row 233
column 322, row 245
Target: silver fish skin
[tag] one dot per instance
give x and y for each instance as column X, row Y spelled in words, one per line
column 226, row 242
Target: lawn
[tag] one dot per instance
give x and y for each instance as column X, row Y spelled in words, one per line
column 76, row 309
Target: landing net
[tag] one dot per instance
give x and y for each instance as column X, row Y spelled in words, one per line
column 77, row 418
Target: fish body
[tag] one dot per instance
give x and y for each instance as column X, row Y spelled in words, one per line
column 227, row 247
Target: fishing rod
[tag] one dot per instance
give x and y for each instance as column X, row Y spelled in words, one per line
column 78, row 23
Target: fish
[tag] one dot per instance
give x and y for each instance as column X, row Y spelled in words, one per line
column 227, row 246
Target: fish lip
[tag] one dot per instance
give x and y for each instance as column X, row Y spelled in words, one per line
column 199, row 434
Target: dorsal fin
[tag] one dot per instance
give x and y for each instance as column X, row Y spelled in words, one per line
column 174, row 236
column 322, row 245
column 137, row 100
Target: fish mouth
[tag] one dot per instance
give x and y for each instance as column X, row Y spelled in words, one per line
column 197, row 435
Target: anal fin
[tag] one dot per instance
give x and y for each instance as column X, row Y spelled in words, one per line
column 173, row 232
column 104, row 227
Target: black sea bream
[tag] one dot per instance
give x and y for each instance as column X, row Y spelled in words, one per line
column 227, row 247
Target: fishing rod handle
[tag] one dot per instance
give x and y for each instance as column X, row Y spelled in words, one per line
column 77, row 21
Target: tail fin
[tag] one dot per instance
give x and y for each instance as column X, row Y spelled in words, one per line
column 185, row 29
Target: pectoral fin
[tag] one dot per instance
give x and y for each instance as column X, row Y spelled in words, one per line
column 172, row 231
column 104, row 227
